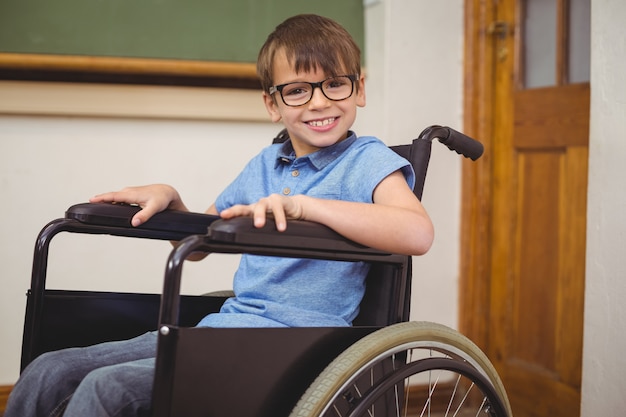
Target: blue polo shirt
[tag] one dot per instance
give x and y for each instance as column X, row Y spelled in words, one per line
column 287, row 292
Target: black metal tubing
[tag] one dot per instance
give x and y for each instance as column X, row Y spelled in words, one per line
column 328, row 245
column 40, row 266
column 196, row 243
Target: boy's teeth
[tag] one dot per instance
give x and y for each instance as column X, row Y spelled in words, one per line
column 324, row 122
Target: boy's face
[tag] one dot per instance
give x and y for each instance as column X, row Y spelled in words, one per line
column 320, row 122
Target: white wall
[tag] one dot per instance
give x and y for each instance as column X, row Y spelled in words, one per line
column 604, row 361
column 62, row 143
column 48, row 163
column 406, row 93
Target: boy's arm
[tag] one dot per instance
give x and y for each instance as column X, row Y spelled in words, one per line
column 396, row 222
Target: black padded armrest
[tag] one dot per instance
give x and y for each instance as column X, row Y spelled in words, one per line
column 299, row 234
column 120, row 215
column 238, row 231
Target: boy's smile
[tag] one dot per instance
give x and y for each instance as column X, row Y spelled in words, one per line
column 322, row 123
column 319, row 123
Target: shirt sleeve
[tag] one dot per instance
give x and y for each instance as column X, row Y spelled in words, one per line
column 372, row 162
column 246, row 186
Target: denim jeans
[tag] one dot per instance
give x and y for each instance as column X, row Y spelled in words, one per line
column 108, row 379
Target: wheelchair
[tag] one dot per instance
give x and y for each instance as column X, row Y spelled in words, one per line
column 384, row 365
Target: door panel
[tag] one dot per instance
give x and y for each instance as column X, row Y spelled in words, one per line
column 551, row 117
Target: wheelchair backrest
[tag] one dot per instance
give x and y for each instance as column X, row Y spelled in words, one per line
column 388, row 291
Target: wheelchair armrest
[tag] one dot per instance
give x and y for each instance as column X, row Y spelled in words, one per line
column 239, row 230
column 120, row 215
column 299, row 234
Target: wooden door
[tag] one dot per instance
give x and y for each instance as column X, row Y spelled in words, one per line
column 524, row 207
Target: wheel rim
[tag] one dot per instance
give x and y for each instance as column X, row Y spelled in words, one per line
column 335, row 392
column 490, row 402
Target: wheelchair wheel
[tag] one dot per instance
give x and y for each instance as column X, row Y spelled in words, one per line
column 408, row 369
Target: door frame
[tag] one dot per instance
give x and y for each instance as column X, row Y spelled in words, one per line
column 475, row 257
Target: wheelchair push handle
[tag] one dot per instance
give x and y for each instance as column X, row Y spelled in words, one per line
column 454, row 140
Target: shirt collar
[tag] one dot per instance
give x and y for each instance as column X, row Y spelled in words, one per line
column 318, row 159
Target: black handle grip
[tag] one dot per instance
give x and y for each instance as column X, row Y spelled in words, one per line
column 455, row 141
column 463, row 144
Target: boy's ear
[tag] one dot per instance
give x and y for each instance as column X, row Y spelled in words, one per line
column 360, row 95
column 272, row 107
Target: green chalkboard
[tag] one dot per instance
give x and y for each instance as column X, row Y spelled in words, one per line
column 204, row 30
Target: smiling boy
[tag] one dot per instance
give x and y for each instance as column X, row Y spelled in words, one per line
column 312, row 82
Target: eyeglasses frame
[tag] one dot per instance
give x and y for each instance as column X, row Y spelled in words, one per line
column 279, row 88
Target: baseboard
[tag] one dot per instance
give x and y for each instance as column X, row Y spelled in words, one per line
column 415, row 403
column 5, row 390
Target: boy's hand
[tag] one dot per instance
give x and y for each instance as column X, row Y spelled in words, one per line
column 279, row 206
column 151, row 198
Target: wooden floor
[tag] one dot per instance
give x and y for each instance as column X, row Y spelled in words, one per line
column 413, row 415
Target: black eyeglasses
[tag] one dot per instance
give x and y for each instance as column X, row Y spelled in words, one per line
column 299, row 93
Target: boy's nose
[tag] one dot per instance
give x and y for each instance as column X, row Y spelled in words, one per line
column 318, row 99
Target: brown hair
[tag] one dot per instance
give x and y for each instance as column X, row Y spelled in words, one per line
column 310, row 42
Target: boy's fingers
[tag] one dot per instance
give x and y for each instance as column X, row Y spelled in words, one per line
column 100, row 198
column 144, row 214
column 136, row 220
column 280, row 218
column 234, row 211
column 259, row 214
column 113, row 197
column 141, row 217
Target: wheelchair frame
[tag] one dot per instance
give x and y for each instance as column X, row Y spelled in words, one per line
column 285, row 361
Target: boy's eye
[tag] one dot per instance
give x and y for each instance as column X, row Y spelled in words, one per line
column 335, row 83
column 295, row 90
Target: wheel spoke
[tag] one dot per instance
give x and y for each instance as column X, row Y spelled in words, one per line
column 456, row 413
column 431, row 390
column 482, row 406
column 456, row 387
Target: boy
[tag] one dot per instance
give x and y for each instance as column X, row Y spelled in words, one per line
column 310, row 73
